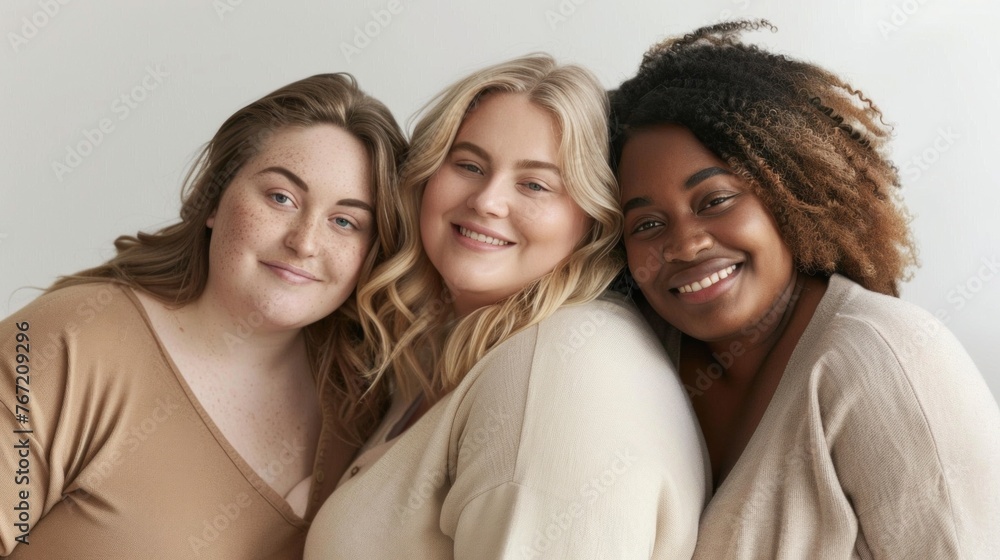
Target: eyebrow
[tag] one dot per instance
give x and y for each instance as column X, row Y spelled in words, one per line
column 637, row 202
column 352, row 202
column 641, row 201
column 519, row 164
column 705, row 174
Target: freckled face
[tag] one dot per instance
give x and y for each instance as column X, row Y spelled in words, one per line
column 496, row 215
column 704, row 250
column 293, row 228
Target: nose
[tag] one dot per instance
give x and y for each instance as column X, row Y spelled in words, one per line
column 303, row 235
column 491, row 200
column 685, row 241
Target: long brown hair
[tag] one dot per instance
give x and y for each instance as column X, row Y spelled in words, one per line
column 172, row 263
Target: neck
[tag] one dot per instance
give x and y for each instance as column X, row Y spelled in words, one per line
column 242, row 342
column 741, row 357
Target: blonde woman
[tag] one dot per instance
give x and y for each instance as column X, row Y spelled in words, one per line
column 197, row 395
column 532, row 416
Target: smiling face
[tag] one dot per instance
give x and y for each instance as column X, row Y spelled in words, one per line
column 496, row 215
column 706, row 253
column 293, row 228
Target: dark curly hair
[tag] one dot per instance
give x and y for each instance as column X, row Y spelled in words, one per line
column 808, row 144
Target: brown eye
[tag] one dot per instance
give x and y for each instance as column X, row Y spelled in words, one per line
column 646, row 225
column 715, row 201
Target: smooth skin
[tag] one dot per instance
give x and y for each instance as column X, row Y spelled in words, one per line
column 289, row 238
column 710, row 260
column 496, row 215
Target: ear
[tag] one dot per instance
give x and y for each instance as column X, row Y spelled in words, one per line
column 210, row 222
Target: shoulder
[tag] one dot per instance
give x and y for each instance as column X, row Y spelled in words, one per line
column 608, row 326
column 861, row 327
column 586, row 392
column 77, row 305
column 876, row 362
column 75, row 323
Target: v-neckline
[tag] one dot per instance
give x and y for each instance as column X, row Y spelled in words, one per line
column 784, row 385
column 263, row 488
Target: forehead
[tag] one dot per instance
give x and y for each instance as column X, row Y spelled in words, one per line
column 667, row 154
column 510, row 123
column 322, row 155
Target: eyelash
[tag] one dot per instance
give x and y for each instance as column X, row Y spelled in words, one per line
column 350, row 224
column 644, row 225
column 274, row 196
column 470, row 167
column 717, row 201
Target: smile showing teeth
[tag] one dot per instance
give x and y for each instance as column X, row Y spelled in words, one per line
column 707, row 281
column 482, row 238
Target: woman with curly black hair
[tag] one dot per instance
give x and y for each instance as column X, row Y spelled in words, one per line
column 766, row 235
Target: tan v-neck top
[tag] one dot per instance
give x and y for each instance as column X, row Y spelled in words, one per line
column 122, row 460
column 882, row 441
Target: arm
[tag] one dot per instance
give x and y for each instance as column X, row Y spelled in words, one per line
column 25, row 426
column 915, row 441
column 607, row 460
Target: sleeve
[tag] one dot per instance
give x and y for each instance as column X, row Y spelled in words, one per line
column 915, row 442
column 605, row 457
column 29, row 352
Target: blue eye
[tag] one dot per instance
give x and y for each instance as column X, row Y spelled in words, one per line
column 535, row 187
column 471, row 168
column 343, row 222
column 280, row 198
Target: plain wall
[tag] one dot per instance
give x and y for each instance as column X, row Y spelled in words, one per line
column 184, row 66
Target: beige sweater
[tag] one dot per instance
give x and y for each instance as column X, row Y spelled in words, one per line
column 881, row 441
column 572, row 439
column 121, row 461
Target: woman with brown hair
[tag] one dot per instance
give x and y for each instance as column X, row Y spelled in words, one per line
column 198, row 394
column 765, row 233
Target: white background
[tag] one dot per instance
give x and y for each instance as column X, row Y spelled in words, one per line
column 931, row 65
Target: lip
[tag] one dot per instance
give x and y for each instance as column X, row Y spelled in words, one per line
column 290, row 273
column 479, row 245
column 701, row 271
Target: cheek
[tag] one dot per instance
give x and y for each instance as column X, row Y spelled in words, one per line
column 237, row 224
column 643, row 261
column 431, row 203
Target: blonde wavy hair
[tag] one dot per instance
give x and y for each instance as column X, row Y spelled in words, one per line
column 172, row 263
column 405, row 308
